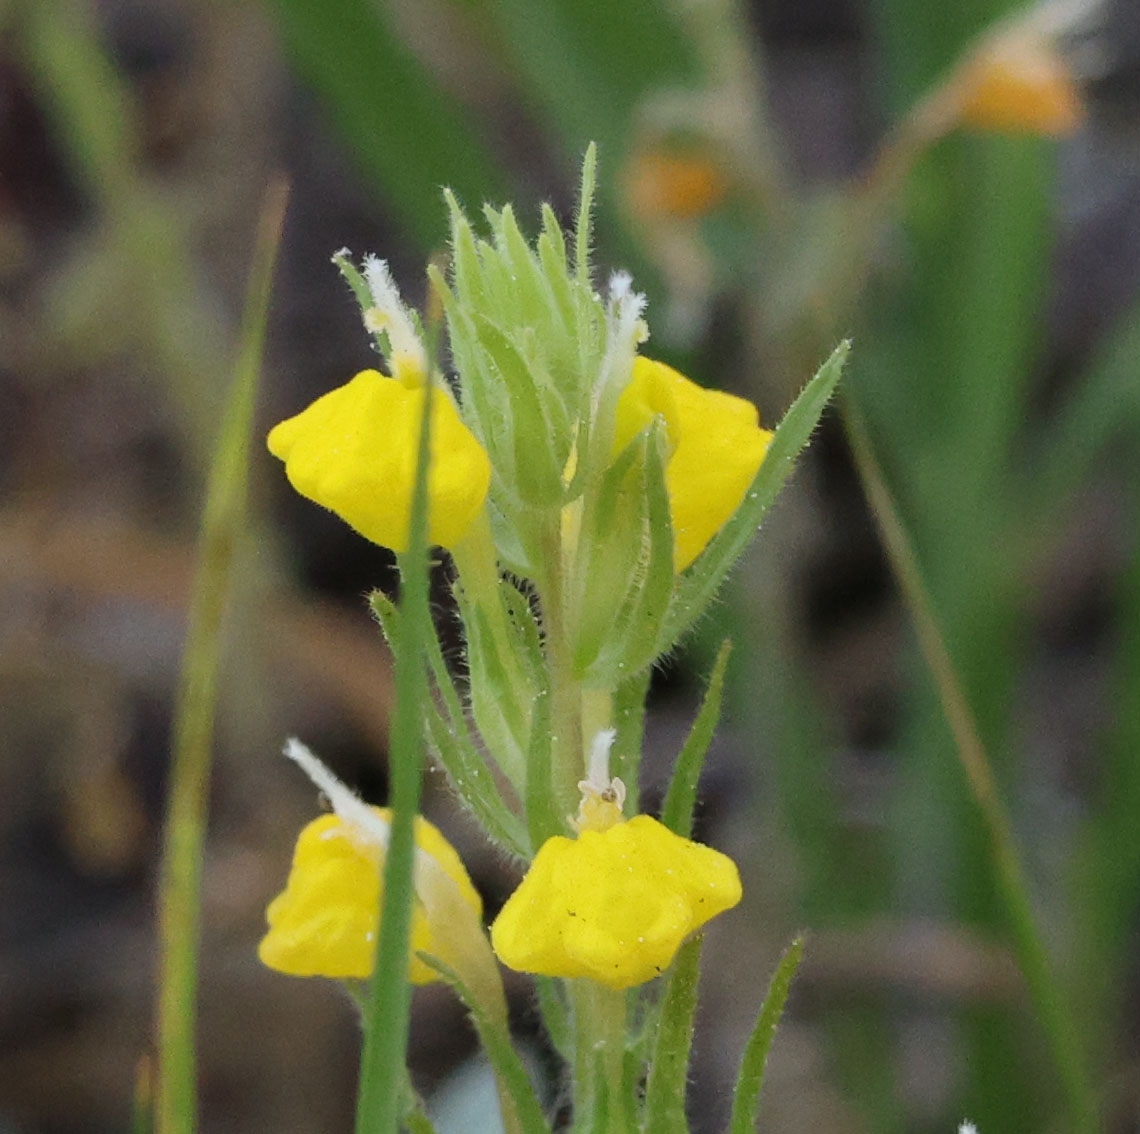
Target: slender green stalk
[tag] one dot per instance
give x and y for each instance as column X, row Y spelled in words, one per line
column 567, row 753
column 1049, row 1000
column 386, row 1018
column 222, row 526
column 600, row 1103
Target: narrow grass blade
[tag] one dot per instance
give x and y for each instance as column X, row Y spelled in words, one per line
column 1050, row 1002
column 750, row 1079
column 664, row 1111
column 680, row 799
column 222, row 525
column 515, row 1084
column 697, row 586
column 386, row 1016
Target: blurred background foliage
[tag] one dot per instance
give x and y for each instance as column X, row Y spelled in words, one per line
column 991, row 287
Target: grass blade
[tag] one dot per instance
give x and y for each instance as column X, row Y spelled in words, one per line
column 1049, row 1000
column 750, row 1079
column 222, row 526
column 386, row 1022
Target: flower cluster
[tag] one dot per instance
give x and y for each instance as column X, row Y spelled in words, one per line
column 564, row 457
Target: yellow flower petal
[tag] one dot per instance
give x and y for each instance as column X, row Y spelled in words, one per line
column 354, row 451
column 613, row 906
column 324, row 922
column 718, row 447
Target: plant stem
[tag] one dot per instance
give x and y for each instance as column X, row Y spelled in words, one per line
column 1048, row 998
column 180, row 886
column 567, row 752
column 600, row 1102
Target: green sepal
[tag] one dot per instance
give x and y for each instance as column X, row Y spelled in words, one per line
column 355, row 280
column 657, row 592
column 539, row 434
column 452, row 744
column 610, row 550
column 496, row 1041
column 664, row 1108
column 627, row 569
column 629, row 722
column 500, row 707
column 750, row 1078
column 677, row 810
column 543, row 819
column 551, row 247
column 697, row 586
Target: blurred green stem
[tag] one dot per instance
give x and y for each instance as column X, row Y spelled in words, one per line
column 1048, row 998
column 222, row 525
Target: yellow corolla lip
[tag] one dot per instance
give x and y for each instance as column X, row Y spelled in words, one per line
column 717, row 449
column 354, row 451
column 613, row 906
column 324, row 923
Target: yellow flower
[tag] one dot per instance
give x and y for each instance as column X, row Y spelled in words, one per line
column 324, row 922
column 1020, row 83
column 613, row 905
column 354, row 451
column 717, row 449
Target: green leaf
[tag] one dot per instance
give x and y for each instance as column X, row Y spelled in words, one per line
column 629, row 720
column 656, row 592
column 611, row 554
column 677, row 810
column 664, row 1111
column 630, row 542
column 451, row 739
column 502, row 721
column 538, row 451
column 555, row 1014
column 751, row 1076
column 496, row 1041
column 414, row 1118
column 223, row 523
column 542, row 816
column 697, row 586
